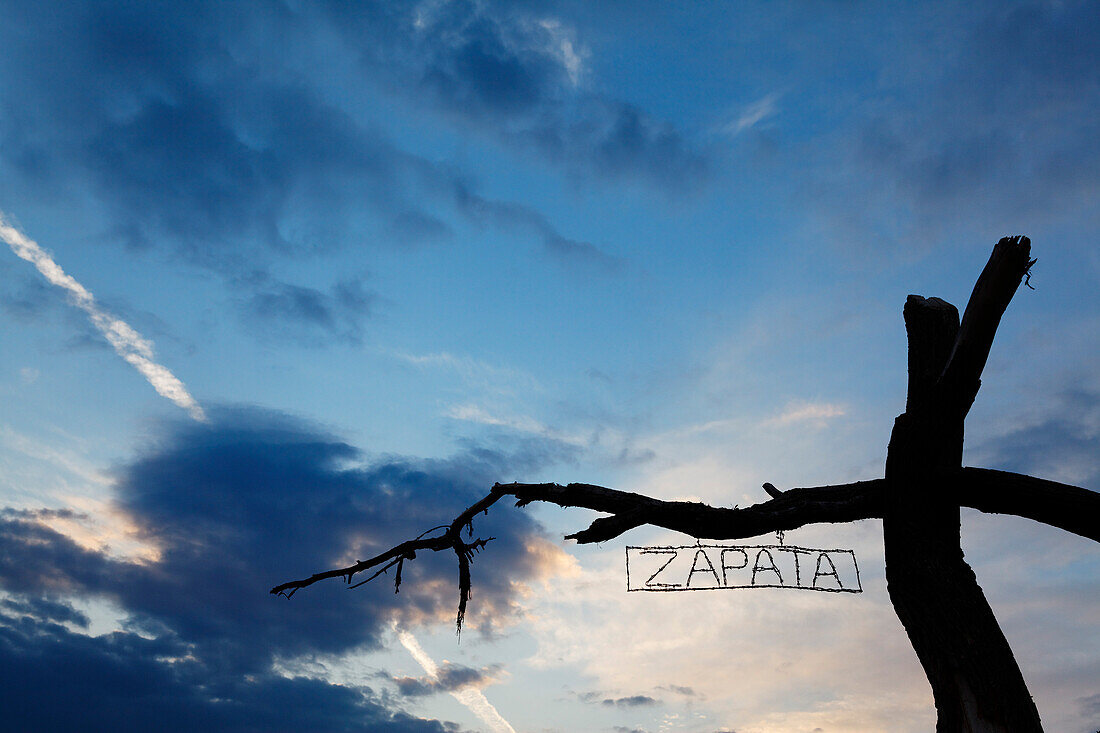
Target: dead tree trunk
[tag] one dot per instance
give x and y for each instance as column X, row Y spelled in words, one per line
column 975, row 680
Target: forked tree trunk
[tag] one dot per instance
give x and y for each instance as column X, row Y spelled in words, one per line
column 975, row 680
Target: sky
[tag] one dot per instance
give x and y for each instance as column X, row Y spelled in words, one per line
column 286, row 283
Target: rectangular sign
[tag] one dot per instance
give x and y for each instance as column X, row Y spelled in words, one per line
column 711, row 567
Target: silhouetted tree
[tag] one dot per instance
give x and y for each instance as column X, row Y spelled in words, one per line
column 976, row 682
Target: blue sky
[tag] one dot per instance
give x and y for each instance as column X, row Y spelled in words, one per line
column 286, row 282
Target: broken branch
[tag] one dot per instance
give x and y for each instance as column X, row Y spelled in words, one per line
column 1007, row 265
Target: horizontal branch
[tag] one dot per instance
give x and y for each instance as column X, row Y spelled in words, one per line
column 1071, row 508
column 1067, row 507
column 788, row 510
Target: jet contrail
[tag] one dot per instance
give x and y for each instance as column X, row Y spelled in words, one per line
column 471, row 697
column 127, row 342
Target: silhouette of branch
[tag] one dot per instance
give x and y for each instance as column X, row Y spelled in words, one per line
column 1007, row 266
column 396, row 556
column 1071, row 508
column 999, row 492
column 788, row 510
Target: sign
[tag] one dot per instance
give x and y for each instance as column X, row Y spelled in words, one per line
column 711, row 567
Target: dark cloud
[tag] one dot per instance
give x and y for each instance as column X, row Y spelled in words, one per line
column 295, row 312
column 44, row 609
column 417, row 227
column 235, row 507
column 679, row 690
column 1052, row 447
column 617, row 140
column 196, row 123
column 516, row 76
column 510, row 216
column 52, row 679
column 631, row 701
column 449, row 677
column 634, row 701
column 1000, row 128
column 196, row 128
column 487, row 63
column 1090, row 706
column 26, row 298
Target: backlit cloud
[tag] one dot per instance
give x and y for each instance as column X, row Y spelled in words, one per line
column 233, row 507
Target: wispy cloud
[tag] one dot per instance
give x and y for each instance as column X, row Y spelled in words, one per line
column 561, row 45
column 522, row 423
column 472, row 698
column 753, row 114
column 474, row 372
column 127, row 343
column 16, row 441
column 801, row 412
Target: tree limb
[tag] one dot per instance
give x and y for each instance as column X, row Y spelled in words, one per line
column 1007, row 265
column 396, row 556
column 1071, row 508
column 788, row 510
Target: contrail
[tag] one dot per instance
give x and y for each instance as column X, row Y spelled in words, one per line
column 127, row 342
column 471, row 697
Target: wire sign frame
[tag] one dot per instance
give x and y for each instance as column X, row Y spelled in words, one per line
column 728, row 567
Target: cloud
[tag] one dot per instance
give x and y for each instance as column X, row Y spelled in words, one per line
column 633, row 701
column 475, row 373
column 65, row 460
column 127, row 343
column 1062, row 447
column 125, row 681
column 511, row 216
column 755, row 113
column 521, row 423
column 417, row 227
column 1000, row 136
column 25, row 298
column 1090, row 706
column 185, row 129
column 234, row 506
column 679, row 690
column 616, row 140
column 816, row 413
column 516, row 76
column 44, row 610
column 116, row 101
column 474, row 699
column 293, row 311
column 448, row 677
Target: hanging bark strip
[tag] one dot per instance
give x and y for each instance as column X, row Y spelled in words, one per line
column 975, row 680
